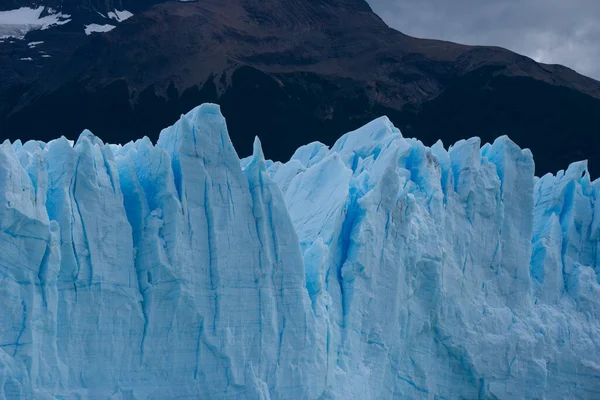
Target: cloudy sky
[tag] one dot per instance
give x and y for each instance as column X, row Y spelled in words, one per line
column 551, row 31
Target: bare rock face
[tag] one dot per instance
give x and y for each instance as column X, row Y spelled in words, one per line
column 292, row 71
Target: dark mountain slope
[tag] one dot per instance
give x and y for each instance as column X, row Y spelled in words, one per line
column 293, row 71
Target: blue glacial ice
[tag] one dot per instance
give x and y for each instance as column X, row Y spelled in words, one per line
column 377, row 269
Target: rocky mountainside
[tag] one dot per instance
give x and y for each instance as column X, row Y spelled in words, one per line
column 290, row 71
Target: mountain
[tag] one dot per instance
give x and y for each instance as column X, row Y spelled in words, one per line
column 377, row 269
column 291, row 71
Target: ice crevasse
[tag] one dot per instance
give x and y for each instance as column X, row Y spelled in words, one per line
column 378, row 268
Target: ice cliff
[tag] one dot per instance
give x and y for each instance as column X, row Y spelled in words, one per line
column 377, row 269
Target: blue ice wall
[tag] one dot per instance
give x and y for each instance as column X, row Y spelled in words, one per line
column 377, row 269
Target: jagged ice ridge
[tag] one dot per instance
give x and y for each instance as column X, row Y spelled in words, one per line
column 377, row 269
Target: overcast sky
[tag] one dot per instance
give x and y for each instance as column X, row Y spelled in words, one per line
column 551, row 31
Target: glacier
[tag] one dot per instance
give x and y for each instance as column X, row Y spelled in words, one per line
column 378, row 268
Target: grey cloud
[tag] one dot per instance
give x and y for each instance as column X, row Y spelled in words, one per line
column 551, row 31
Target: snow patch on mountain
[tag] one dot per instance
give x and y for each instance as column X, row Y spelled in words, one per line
column 93, row 28
column 116, row 15
column 16, row 23
column 120, row 16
